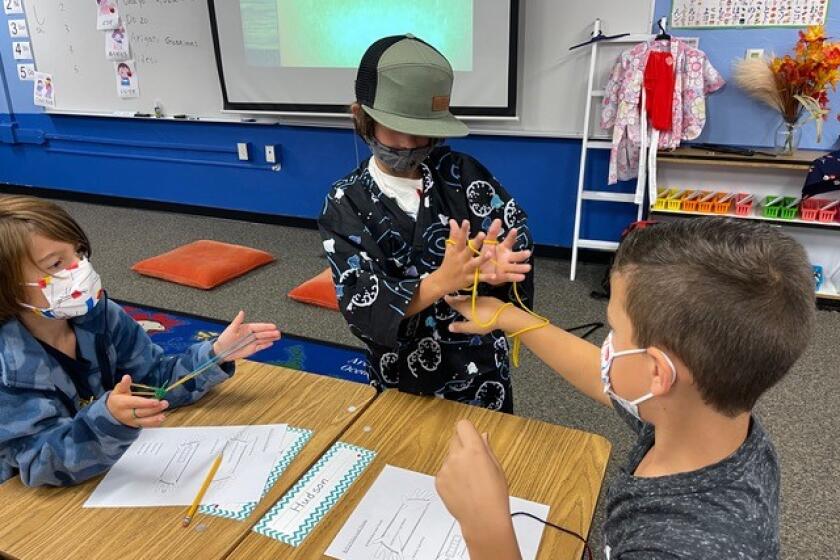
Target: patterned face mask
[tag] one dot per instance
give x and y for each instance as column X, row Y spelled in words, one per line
column 70, row 293
column 401, row 161
column 608, row 354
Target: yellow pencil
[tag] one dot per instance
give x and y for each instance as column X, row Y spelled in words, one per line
column 203, row 490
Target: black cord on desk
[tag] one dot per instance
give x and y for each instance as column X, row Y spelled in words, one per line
column 559, row 528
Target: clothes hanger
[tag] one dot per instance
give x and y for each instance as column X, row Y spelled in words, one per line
column 598, row 36
column 663, row 35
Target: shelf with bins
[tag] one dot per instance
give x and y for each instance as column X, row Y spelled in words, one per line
column 786, row 210
column 760, row 187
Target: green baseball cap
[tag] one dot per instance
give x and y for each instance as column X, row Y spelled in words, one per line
column 405, row 84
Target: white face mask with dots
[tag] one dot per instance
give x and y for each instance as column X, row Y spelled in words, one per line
column 608, row 354
column 70, row 293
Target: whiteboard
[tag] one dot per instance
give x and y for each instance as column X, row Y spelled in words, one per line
column 172, row 45
column 170, row 42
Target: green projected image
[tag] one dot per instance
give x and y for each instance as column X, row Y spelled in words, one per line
column 335, row 33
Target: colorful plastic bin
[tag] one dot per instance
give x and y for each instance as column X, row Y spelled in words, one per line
column 789, row 208
column 828, row 215
column 744, row 204
column 662, row 196
column 810, row 208
column 772, row 205
column 675, row 200
column 707, row 203
column 690, row 203
column 724, row 203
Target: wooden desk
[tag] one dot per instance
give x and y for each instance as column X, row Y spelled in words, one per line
column 49, row 523
column 545, row 463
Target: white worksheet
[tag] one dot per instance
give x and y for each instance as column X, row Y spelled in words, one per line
column 402, row 517
column 166, row 466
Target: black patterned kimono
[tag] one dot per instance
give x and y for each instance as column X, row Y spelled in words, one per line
column 379, row 255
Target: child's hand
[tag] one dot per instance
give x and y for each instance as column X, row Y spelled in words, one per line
column 485, row 308
column 266, row 334
column 137, row 412
column 504, row 265
column 472, row 485
column 457, row 271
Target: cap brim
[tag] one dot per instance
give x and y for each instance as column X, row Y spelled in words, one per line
column 446, row 126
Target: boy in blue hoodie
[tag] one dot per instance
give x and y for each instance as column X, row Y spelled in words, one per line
column 68, row 355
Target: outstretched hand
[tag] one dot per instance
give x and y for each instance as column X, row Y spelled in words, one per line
column 265, row 334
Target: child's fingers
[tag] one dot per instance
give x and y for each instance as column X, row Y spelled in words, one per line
column 258, row 328
column 454, row 231
column 462, row 327
column 519, row 256
column 478, row 241
column 129, row 402
column 494, row 229
column 513, row 277
column 486, row 438
column 150, row 421
column 455, row 443
column 458, row 303
column 510, row 238
column 124, row 386
column 467, row 434
column 237, row 321
column 518, row 268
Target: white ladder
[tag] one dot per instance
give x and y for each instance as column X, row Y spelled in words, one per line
column 589, row 194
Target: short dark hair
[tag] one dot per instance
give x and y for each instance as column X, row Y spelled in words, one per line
column 362, row 122
column 734, row 300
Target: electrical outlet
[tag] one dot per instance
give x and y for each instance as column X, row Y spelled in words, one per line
column 270, row 155
column 242, row 149
column 754, row 54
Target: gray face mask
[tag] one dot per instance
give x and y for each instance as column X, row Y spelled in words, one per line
column 401, row 161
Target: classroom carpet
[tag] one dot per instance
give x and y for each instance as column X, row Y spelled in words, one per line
column 800, row 413
column 174, row 332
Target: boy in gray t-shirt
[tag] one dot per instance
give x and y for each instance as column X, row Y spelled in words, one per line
column 706, row 316
column 726, row 510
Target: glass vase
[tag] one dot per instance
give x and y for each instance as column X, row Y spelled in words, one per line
column 788, row 136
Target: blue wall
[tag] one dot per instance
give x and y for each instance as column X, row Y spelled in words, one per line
column 196, row 163
column 735, row 118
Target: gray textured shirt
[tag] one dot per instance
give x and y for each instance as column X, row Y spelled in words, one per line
column 724, row 511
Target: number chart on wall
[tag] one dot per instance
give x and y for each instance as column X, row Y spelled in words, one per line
column 117, row 57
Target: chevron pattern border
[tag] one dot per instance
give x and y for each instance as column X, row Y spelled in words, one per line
column 245, row 509
column 263, row 527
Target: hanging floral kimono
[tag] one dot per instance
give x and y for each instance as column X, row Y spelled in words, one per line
column 694, row 78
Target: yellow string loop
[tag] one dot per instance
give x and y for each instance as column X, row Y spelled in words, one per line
column 517, row 344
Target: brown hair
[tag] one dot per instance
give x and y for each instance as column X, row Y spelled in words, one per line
column 733, row 300
column 362, row 122
column 20, row 216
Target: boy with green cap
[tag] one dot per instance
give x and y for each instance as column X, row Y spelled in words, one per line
column 396, row 232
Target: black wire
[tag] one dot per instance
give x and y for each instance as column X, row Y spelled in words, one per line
column 559, row 528
column 591, row 328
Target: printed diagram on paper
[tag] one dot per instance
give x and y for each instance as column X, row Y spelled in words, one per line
column 402, row 518
column 166, row 466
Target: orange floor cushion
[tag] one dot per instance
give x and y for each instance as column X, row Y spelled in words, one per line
column 203, row 264
column 318, row 291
